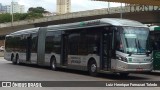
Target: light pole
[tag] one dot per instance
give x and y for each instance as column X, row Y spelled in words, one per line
column 12, row 11
column 121, row 11
column 108, row 7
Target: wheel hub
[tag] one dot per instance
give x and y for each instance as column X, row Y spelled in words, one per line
column 93, row 67
column 53, row 65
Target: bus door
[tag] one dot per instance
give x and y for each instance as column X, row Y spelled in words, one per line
column 106, row 43
column 28, row 48
column 64, row 57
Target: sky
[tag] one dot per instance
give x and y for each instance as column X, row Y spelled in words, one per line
column 50, row 5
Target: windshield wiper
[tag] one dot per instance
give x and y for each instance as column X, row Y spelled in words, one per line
column 131, row 52
column 136, row 45
column 141, row 49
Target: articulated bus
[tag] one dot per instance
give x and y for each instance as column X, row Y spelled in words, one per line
column 97, row 46
column 155, row 43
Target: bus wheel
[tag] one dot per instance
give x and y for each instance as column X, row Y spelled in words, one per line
column 12, row 59
column 124, row 74
column 92, row 68
column 17, row 59
column 53, row 64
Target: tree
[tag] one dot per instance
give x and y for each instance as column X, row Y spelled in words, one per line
column 5, row 18
column 34, row 15
column 19, row 16
column 36, row 10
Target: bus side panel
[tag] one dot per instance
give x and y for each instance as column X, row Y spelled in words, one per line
column 7, row 55
column 41, row 46
column 80, row 62
column 47, row 59
column 34, row 58
column 22, row 57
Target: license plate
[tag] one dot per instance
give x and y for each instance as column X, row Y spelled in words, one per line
column 139, row 69
column 137, row 60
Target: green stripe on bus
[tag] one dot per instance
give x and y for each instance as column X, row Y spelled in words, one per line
column 157, row 28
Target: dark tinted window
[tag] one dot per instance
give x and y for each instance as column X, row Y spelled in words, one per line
column 53, row 42
column 84, row 41
column 34, row 42
column 73, row 43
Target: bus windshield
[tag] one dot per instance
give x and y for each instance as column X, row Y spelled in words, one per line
column 135, row 39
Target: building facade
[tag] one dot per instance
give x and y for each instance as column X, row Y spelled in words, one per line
column 0, row 6
column 22, row 9
column 3, row 9
column 8, row 8
column 63, row 6
column 15, row 8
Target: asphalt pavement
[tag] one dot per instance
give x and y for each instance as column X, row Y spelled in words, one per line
column 10, row 72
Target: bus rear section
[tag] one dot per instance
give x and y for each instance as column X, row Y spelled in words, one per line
column 21, row 46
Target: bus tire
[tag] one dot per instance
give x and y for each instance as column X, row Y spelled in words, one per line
column 12, row 59
column 53, row 64
column 92, row 68
column 17, row 59
column 124, row 74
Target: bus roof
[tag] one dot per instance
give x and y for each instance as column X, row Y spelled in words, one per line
column 99, row 22
column 84, row 24
column 25, row 31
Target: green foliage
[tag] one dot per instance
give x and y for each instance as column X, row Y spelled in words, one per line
column 5, row 18
column 33, row 13
column 36, row 10
column 18, row 16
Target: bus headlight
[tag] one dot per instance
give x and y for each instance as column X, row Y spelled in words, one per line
column 152, row 60
column 122, row 58
column 149, row 60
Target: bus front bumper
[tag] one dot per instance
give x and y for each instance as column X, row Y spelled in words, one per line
column 132, row 67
